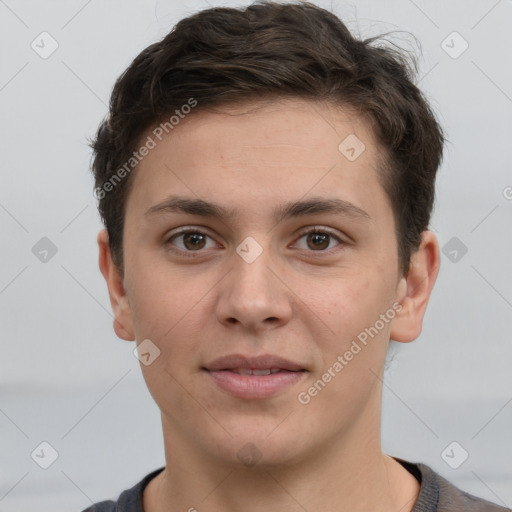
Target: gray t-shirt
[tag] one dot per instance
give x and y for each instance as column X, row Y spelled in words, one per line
column 436, row 495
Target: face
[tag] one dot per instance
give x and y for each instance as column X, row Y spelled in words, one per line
column 253, row 243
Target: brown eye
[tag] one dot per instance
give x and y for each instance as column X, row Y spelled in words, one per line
column 318, row 240
column 191, row 241
column 194, row 241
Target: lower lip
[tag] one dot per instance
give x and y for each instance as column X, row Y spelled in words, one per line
column 254, row 386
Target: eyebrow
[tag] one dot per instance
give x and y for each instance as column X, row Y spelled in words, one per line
column 194, row 206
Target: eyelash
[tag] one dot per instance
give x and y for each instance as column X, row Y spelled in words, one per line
column 192, row 254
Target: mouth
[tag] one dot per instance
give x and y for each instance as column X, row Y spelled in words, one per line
column 254, row 377
column 240, row 362
column 254, row 371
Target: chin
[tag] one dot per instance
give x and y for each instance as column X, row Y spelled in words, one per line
column 263, row 448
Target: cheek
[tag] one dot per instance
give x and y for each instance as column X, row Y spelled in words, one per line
column 347, row 303
column 350, row 307
column 340, row 390
column 172, row 310
column 159, row 294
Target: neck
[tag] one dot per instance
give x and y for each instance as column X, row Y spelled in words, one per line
column 350, row 475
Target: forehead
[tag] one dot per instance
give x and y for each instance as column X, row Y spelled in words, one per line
column 264, row 152
column 281, row 129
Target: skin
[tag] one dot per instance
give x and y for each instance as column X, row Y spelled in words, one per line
column 295, row 300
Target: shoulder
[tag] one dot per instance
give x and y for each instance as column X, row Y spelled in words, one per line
column 129, row 500
column 438, row 495
column 453, row 498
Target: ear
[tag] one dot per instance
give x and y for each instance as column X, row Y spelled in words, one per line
column 123, row 324
column 414, row 289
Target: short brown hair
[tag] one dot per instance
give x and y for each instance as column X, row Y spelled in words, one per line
column 268, row 50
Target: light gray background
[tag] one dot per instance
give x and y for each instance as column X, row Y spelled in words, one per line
column 65, row 377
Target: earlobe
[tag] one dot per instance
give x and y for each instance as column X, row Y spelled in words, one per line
column 414, row 290
column 123, row 324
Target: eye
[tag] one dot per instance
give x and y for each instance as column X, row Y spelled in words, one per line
column 191, row 240
column 319, row 240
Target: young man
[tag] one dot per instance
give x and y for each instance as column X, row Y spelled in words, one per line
column 266, row 182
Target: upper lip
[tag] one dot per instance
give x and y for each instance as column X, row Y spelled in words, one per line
column 263, row 362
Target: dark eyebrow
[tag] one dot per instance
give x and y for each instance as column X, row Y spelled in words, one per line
column 193, row 206
column 320, row 205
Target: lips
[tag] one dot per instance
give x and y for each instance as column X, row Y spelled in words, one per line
column 254, row 371
column 254, row 377
column 240, row 362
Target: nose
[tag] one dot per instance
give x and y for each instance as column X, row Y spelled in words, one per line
column 253, row 295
